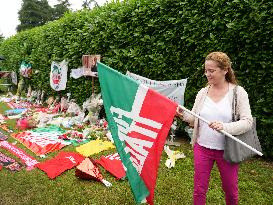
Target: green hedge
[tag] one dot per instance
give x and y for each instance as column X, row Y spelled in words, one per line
column 162, row 40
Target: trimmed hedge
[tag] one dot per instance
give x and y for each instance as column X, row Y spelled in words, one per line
column 162, row 40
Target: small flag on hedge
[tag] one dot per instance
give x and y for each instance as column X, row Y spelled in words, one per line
column 139, row 120
column 58, row 75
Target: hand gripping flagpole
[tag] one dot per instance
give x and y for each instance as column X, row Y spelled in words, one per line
column 222, row 131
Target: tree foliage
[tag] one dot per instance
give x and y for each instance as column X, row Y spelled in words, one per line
column 161, row 40
column 35, row 13
column 60, row 8
column 2, row 37
column 89, row 4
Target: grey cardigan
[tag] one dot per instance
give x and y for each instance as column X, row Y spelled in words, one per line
column 233, row 128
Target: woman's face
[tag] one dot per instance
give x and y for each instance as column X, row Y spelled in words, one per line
column 214, row 74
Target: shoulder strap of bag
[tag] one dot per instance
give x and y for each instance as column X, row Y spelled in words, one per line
column 234, row 105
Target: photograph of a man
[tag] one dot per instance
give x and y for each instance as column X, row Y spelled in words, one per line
column 94, row 64
column 90, row 64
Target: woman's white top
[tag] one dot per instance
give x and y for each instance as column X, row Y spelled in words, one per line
column 214, row 111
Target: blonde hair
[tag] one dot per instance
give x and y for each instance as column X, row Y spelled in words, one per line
column 224, row 63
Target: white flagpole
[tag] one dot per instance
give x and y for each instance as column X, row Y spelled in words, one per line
column 222, row 131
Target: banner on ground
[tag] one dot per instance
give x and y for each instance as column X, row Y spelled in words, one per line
column 172, row 89
column 9, row 163
column 94, row 147
column 42, row 140
column 27, row 159
column 112, row 164
column 60, row 163
column 139, row 120
column 58, row 75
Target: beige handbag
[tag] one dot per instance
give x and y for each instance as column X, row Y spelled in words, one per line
column 235, row 152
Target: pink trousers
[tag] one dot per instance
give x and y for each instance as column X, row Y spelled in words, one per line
column 204, row 159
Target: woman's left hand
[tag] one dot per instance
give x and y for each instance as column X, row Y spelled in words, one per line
column 216, row 125
column 179, row 112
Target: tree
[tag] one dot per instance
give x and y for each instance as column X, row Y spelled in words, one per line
column 34, row 13
column 2, row 38
column 87, row 4
column 60, row 8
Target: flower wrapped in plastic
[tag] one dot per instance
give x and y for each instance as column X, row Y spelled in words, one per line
column 92, row 105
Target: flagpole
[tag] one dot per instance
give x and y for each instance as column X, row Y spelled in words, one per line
column 222, row 131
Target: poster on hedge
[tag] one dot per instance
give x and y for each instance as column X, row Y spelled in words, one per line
column 58, row 75
column 25, row 69
column 89, row 63
column 13, row 76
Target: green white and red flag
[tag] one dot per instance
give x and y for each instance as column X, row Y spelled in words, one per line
column 139, row 120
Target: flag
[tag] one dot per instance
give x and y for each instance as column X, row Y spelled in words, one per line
column 139, row 120
column 25, row 69
column 58, row 75
column 172, row 89
column 43, row 140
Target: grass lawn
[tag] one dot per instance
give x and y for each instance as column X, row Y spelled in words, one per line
column 174, row 186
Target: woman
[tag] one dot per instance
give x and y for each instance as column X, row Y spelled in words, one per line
column 214, row 103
